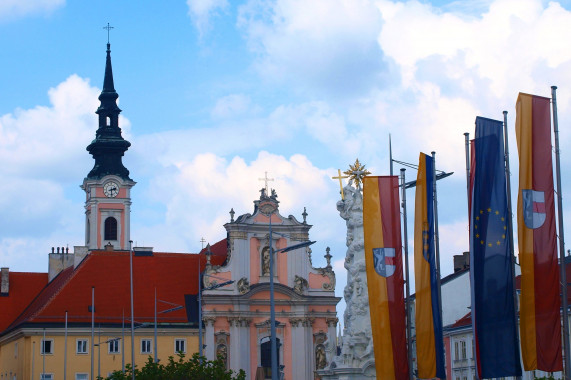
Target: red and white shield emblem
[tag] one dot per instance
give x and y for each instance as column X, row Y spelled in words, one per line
column 533, row 208
column 384, row 261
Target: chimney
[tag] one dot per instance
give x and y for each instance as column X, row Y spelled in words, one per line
column 109, row 247
column 461, row 261
column 5, row 282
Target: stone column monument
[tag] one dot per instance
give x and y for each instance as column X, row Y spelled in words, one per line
column 357, row 359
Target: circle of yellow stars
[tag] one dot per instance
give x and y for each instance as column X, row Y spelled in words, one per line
column 477, row 235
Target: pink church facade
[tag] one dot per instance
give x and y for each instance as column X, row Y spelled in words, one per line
column 237, row 317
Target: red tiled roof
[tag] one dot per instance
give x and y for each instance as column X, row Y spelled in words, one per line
column 218, row 249
column 173, row 275
column 464, row 321
column 24, row 286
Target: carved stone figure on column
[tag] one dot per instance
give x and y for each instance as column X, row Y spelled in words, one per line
column 356, row 357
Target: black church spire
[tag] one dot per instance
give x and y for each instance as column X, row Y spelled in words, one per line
column 108, row 146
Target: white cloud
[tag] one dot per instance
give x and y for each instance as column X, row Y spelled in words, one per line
column 201, row 11
column 10, row 9
column 329, row 45
column 239, row 127
column 198, row 194
column 234, row 106
column 504, row 46
column 50, row 142
column 43, row 152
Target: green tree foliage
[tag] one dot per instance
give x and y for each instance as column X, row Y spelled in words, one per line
column 193, row 369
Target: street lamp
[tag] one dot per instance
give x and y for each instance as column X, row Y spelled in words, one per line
column 200, row 289
column 274, row 349
column 98, row 345
column 175, row 307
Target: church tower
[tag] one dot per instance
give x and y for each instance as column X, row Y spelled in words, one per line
column 108, row 186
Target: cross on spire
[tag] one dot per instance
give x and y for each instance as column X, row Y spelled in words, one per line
column 202, row 240
column 266, row 180
column 108, row 28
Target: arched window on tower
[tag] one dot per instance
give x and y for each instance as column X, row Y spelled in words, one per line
column 108, row 119
column 110, row 228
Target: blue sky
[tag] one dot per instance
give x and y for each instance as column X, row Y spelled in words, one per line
column 214, row 93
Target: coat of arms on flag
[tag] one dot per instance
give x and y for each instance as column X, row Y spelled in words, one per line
column 384, row 260
column 533, row 208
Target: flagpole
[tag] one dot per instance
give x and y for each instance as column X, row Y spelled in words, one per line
column 436, row 236
column 510, row 217
column 407, row 283
column 65, row 349
column 467, row 143
column 391, row 153
column 561, row 236
column 92, row 327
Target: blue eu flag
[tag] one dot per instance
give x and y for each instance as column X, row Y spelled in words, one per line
column 491, row 271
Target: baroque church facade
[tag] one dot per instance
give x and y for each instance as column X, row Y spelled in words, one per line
column 75, row 319
column 239, row 317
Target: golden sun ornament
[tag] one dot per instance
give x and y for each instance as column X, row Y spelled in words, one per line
column 356, row 173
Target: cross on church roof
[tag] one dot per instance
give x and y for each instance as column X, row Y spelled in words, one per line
column 266, row 179
column 108, row 28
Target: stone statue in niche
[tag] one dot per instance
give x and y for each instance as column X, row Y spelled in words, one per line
column 222, row 354
column 320, row 358
column 266, row 261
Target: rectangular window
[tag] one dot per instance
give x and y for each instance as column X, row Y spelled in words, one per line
column 81, row 346
column 146, row 346
column 114, row 346
column 456, row 357
column 180, row 345
column 81, row 376
column 47, row 347
column 463, row 343
column 46, row 376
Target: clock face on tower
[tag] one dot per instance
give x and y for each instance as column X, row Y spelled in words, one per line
column 111, row 189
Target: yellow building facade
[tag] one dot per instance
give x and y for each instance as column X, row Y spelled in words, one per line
column 22, row 357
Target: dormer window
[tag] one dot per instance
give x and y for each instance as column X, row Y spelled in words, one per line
column 110, row 228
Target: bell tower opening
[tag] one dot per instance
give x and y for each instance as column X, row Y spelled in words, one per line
column 110, row 228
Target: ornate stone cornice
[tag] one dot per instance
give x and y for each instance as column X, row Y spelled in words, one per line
column 332, row 322
column 208, row 320
column 295, row 322
column 239, row 321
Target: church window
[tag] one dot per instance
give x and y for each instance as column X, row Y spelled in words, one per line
column 108, row 121
column 266, row 355
column 110, row 228
column 88, row 227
